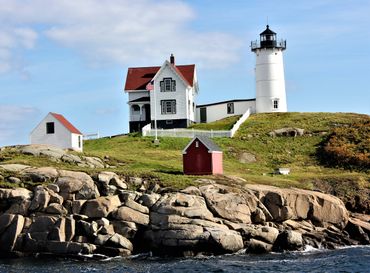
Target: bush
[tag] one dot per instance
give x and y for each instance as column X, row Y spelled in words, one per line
column 348, row 146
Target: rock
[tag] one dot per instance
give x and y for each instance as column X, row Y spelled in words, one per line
column 70, row 248
column 77, row 206
column 247, row 158
column 53, row 187
column 14, row 180
column 40, row 174
column 258, row 247
column 266, row 234
column 126, row 229
column 9, row 235
column 360, row 223
column 55, row 208
column 290, row 132
column 192, row 191
column 288, row 240
column 229, row 205
column 15, row 195
column 94, row 162
column 130, row 215
column 78, row 183
column 356, row 232
column 136, row 181
column 136, row 206
column 71, row 158
column 42, row 149
column 109, row 178
column 88, row 229
column 40, row 200
column 101, row 239
column 43, row 223
column 227, row 241
column 258, row 216
column 54, row 197
column 113, row 251
column 119, row 241
column 19, row 208
column 101, row 207
column 184, row 205
column 14, row 167
column 149, row 200
column 297, row 204
column 5, row 220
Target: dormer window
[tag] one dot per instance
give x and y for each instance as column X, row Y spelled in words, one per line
column 168, row 85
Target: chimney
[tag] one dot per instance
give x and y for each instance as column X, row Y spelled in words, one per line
column 172, row 59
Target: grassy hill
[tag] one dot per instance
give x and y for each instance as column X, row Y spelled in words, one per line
column 137, row 155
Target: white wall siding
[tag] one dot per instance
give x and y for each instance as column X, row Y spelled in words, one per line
column 76, row 142
column 179, row 95
column 62, row 137
column 270, row 82
column 133, row 95
column 219, row 111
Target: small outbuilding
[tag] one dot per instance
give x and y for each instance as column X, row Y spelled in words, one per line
column 56, row 130
column 201, row 157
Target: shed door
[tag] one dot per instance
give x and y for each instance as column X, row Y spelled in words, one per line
column 203, row 114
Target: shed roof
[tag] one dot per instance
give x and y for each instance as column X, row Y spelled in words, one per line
column 66, row 123
column 211, row 146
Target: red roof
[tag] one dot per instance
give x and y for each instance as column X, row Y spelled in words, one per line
column 66, row 123
column 138, row 77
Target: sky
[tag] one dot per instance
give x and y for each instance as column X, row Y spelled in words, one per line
column 71, row 56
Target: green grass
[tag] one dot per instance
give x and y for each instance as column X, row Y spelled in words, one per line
column 223, row 124
column 135, row 155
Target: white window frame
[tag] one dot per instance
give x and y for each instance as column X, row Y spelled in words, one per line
column 168, row 107
column 275, row 104
column 167, row 85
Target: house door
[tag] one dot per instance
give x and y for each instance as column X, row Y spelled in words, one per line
column 147, row 112
column 203, row 114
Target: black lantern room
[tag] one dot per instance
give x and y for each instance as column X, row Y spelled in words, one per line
column 268, row 40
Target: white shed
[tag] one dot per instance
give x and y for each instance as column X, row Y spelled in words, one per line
column 56, row 130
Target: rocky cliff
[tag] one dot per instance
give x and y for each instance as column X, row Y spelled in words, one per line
column 75, row 213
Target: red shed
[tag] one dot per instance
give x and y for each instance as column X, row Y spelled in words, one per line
column 202, row 156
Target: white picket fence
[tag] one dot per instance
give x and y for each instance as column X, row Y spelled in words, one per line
column 190, row 133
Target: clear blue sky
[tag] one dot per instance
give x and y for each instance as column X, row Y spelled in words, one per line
column 71, row 57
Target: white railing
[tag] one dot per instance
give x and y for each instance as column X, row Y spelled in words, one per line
column 91, row 136
column 190, row 133
column 240, row 122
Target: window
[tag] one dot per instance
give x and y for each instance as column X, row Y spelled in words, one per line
column 135, row 108
column 168, row 85
column 169, row 121
column 230, row 108
column 197, row 144
column 168, row 107
column 276, row 104
column 50, row 128
column 79, row 141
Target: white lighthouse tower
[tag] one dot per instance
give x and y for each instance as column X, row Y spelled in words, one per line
column 270, row 82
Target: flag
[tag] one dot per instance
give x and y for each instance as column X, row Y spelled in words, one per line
column 150, row 86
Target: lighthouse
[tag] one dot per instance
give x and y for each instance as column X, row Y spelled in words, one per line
column 270, row 82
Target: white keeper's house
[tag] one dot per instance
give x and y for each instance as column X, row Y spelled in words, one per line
column 56, row 130
column 168, row 93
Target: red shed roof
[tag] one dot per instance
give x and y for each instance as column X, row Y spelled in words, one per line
column 138, row 77
column 210, row 145
column 66, row 123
